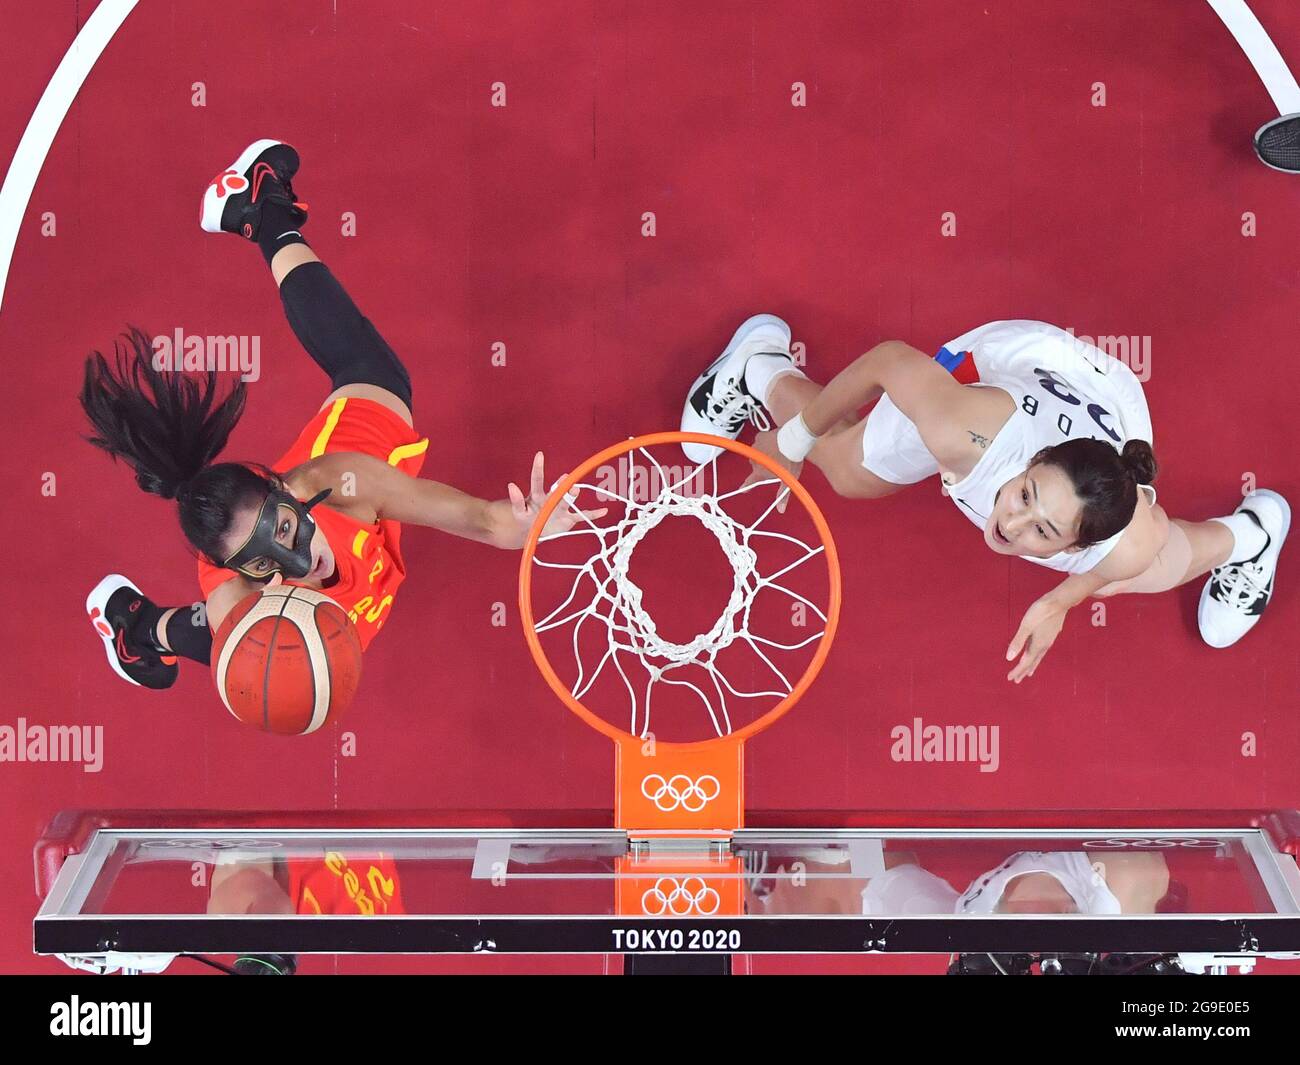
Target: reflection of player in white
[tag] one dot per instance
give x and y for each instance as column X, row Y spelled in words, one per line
column 1070, row 882
column 1041, row 440
column 822, row 884
column 1027, row 882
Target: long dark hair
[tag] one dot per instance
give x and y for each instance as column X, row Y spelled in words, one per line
column 1105, row 480
column 168, row 426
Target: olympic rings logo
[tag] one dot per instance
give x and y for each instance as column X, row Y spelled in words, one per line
column 1143, row 843
column 212, row 844
column 680, row 898
column 681, row 792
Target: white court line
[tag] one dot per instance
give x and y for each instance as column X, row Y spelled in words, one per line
column 46, row 119
column 1262, row 53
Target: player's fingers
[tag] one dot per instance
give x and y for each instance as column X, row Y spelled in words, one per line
column 1018, row 673
column 1017, row 642
column 518, row 504
column 1030, row 663
column 539, row 476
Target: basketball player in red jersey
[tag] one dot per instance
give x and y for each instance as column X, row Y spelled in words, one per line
column 334, row 882
column 328, row 513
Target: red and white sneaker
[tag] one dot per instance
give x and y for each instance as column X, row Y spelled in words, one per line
column 233, row 200
column 112, row 607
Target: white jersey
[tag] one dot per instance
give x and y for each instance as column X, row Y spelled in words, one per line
column 1076, row 873
column 1063, row 388
column 907, row 889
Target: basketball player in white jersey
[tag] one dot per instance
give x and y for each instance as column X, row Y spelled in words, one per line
column 1041, row 440
column 1027, row 882
column 1070, row 882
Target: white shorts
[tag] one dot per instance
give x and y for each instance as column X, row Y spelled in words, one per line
column 892, row 448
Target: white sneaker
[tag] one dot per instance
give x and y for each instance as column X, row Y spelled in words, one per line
column 718, row 403
column 1237, row 592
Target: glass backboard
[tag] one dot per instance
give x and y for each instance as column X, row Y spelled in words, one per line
column 1217, row 884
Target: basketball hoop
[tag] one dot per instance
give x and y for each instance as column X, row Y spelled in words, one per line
column 697, row 786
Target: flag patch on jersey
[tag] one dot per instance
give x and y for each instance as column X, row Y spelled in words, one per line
column 958, row 363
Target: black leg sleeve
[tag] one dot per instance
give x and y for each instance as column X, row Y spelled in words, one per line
column 337, row 335
column 188, row 634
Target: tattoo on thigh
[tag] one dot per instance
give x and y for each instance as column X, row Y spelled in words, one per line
column 981, row 441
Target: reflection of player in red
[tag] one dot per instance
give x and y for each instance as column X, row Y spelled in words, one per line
column 365, row 885
column 336, row 883
column 328, row 516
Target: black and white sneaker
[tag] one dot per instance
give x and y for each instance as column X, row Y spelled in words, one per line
column 112, row 607
column 718, row 403
column 1237, row 592
column 233, row 200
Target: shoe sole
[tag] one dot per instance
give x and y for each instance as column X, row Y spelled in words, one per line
column 213, row 202
column 97, row 606
column 1285, row 507
column 701, row 453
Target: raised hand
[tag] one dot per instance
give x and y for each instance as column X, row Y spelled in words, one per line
column 525, row 508
column 1038, row 630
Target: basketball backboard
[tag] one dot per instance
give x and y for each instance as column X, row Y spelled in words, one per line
column 134, row 890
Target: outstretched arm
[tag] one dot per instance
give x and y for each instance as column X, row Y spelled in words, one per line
column 369, row 488
column 1044, row 620
column 394, row 495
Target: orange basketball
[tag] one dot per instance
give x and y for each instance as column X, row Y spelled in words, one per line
column 286, row 660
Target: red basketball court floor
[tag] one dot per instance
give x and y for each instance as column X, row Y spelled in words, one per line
column 522, row 225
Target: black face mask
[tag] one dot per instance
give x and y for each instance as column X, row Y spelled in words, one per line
column 262, row 545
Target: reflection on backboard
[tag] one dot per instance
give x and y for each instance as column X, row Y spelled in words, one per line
column 136, row 890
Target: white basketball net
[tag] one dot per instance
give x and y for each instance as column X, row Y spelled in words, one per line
column 616, row 600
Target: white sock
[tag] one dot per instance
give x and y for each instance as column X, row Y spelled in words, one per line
column 762, row 370
column 1249, row 539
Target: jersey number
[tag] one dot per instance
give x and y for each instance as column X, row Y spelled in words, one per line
column 1055, row 385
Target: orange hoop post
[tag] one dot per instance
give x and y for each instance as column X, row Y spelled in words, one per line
column 681, row 791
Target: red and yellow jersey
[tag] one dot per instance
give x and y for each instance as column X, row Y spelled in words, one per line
column 368, row 557
column 339, row 884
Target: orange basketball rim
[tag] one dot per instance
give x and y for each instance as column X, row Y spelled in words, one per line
column 679, row 789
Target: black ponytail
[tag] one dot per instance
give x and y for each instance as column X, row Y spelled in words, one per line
column 1105, row 480
column 168, row 427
